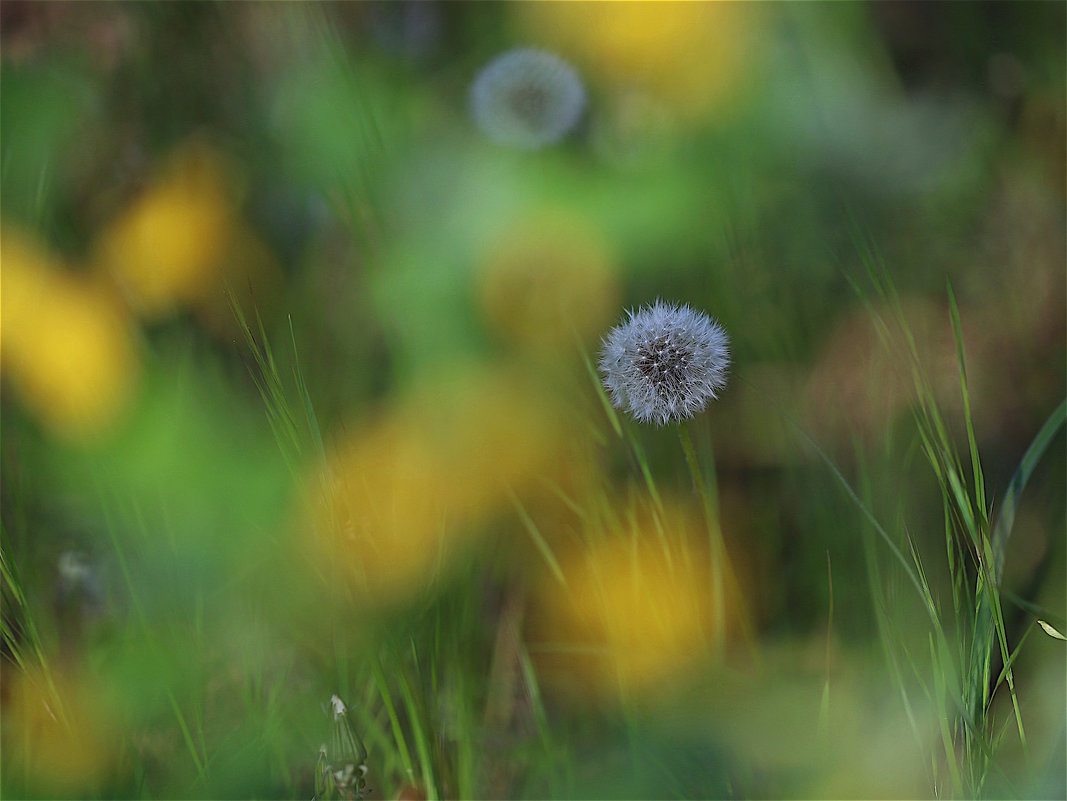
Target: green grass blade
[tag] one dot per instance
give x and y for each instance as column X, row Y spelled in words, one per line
column 1014, row 655
column 419, row 734
column 609, row 410
column 394, row 720
column 269, row 383
column 709, row 500
column 539, row 540
column 943, row 724
column 13, row 585
column 882, row 533
column 976, row 463
column 305, row 396
column 186, row 734
column 1006, row 518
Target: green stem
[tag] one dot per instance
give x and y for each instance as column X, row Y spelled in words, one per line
column 711, row 518
column 390, row 708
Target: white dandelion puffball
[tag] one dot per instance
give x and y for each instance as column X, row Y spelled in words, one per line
column 527, row 98
column 665, row 362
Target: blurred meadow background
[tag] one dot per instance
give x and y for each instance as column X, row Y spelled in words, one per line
column 309, row 485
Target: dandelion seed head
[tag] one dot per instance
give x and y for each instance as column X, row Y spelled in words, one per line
column 664, row 363
column 527, row 98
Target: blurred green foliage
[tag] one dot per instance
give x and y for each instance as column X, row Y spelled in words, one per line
column 174, row 623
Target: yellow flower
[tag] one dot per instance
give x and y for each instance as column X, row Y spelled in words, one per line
column 407, row 491
column 167, row 249
column 691, row 55
column 64, row 740
column 547, row 279
column 66, row 344
column 635, row 614
column 383, row 518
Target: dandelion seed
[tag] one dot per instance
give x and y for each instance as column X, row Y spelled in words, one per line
column 527, row 98
column 665, row 363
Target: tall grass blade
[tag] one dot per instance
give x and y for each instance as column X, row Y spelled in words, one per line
column 947, row 741
column 305, row 396
column 415, row 717
column 1006, row 518
column 709, row 500
column 909, row 571
column 394, row 720
column 539, row 540
column 976, row 463
column 609, row 410
column 186, row 734
column 11, row 638
column 269, row 383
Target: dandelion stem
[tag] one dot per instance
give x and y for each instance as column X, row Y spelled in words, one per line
column 711, row 518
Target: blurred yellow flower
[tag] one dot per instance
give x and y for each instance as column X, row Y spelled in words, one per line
column 693, row 56
column 548, row 279
column 383, row 518
column 636, row 611
column 65, row 741
column 406, row 492
column 67, row 347
column 167, row 249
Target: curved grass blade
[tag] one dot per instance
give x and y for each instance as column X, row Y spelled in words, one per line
column 1002, row 529
column 961, row 353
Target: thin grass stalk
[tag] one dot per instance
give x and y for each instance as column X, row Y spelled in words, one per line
column 394, row 720
column 12, row 582
column 968, row 516
column 718, row 551
column 874, row 584
column 415, row 715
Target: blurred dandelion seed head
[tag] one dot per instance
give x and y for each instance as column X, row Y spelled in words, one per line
column 527, row 98
column 665, row 363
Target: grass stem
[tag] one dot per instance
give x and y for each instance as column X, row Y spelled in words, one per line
column 718, row 551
